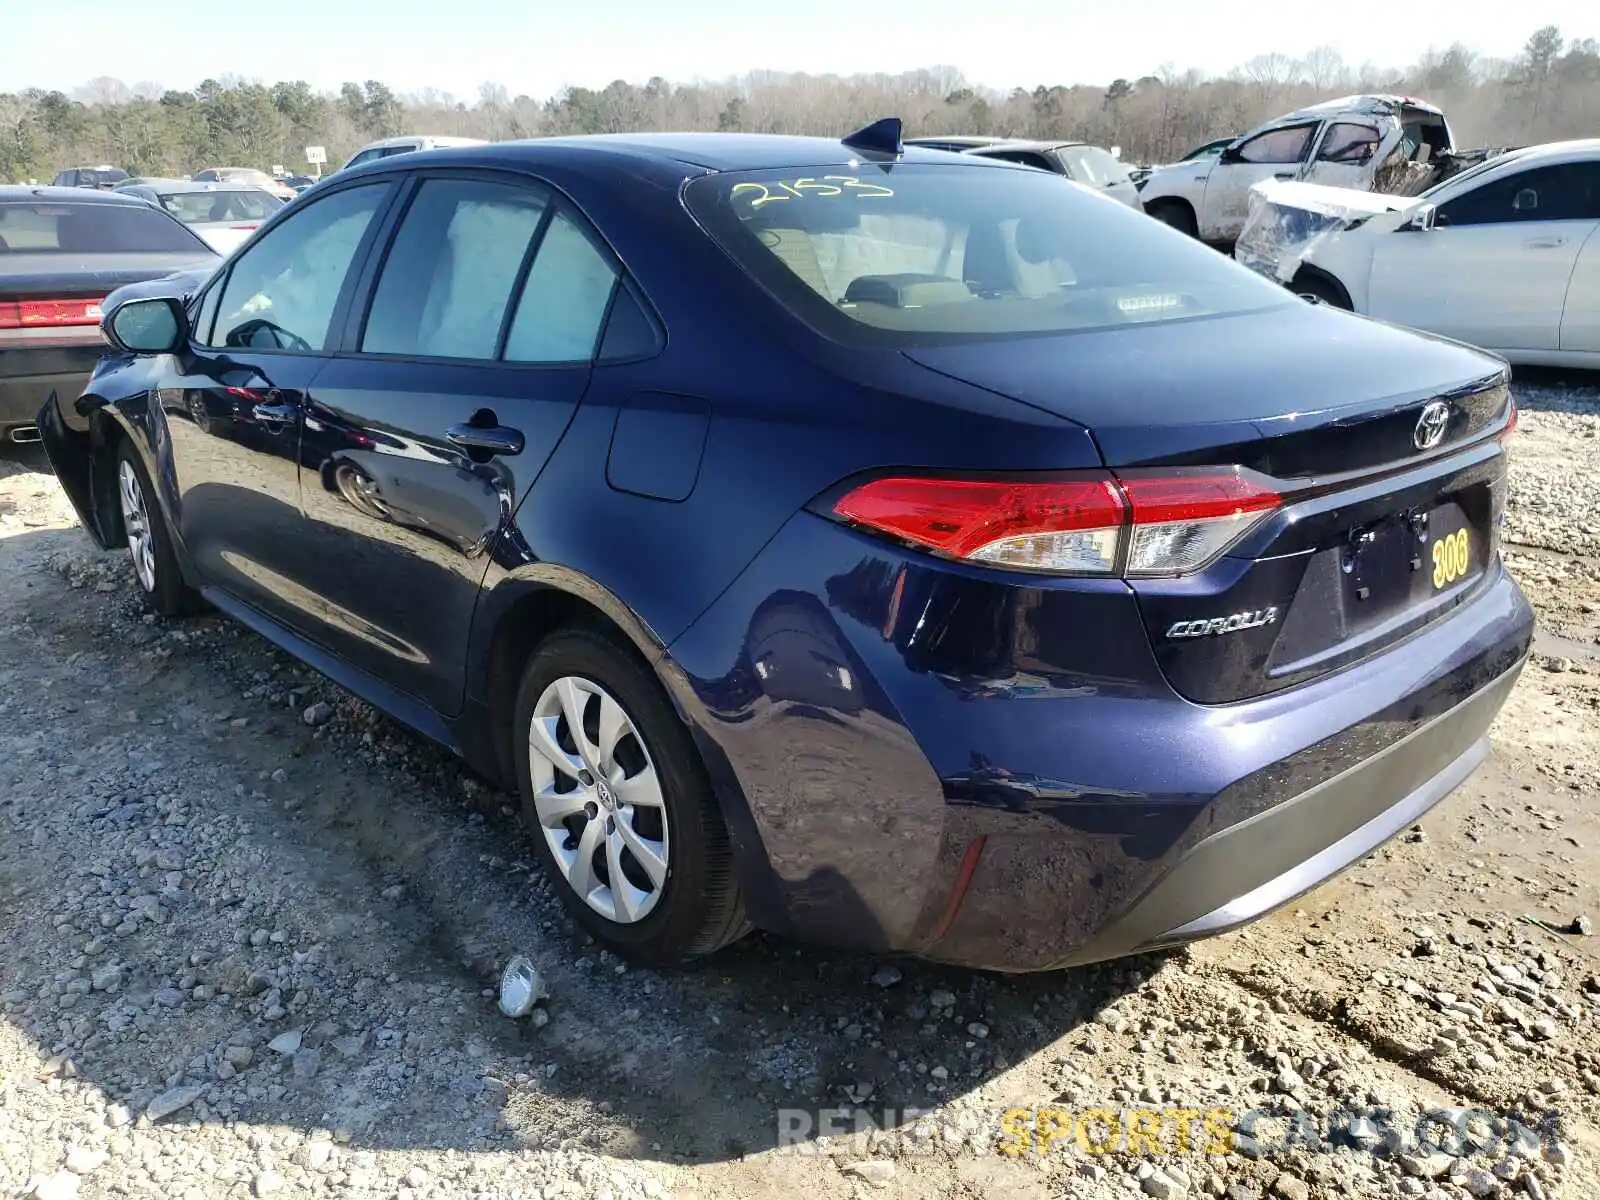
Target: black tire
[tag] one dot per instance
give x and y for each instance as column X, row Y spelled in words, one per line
column 699, row 909
column 1174, row 213
column 1318, row 290
column 166, row 592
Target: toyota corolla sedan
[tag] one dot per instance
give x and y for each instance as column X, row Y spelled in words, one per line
column 867, row 544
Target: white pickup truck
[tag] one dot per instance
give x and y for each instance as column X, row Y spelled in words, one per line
column 1393, row 144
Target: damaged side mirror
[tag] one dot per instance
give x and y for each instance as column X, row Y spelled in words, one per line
column 1423, row 219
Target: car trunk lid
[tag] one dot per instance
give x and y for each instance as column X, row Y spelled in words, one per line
column 1381, row 444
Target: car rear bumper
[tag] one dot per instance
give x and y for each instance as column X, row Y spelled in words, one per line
column 28, row 374
column 913, row 756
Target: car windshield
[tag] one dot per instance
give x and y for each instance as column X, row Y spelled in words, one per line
column 913, row 254
column 51, row 228
column 231, row 204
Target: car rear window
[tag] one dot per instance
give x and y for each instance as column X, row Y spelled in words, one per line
column 54, row 228
column 231, row 204
column 913, row 254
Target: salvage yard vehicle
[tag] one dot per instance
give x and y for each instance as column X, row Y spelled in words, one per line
column 1394, row 144
column 61, row 251
column 1080, row 162
column 245, row 177
column 102, row 177
column 225, row 215
column 1505, row 256
column 408, row 143
column 874, row 545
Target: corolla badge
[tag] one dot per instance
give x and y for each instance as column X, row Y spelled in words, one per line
column 1431, row 425
column 1218, row 625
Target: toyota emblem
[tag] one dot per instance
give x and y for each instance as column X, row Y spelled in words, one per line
column 1431, row 425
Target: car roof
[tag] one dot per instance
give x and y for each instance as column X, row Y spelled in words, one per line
column 701, row 151
column 15, row 193
column 197, row 185
column 1374, row 103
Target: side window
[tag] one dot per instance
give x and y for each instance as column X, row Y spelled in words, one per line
column 1090, row 164
column 1278, row 145
column 449, row 276
column 1027, row 158
column 205, row 314
column 1348, row 143
column 564, row 301
column 280, row 293
column 1569, row 192
column 365, row 156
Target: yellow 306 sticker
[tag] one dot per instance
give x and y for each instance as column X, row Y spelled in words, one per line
column 1452, row 555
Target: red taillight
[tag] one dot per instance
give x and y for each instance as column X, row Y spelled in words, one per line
column 44, row 314
column 1060, row 526
column 1166, row 524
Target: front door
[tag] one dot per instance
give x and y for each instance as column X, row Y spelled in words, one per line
column 1344, row 153
column 235, row 400
column 1494, row 269
column 1275, row 154
column 450, row 393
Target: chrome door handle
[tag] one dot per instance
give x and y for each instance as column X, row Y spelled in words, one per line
column 273, row 414
column 493, row 439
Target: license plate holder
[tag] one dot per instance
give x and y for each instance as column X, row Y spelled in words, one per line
column 1407, row 559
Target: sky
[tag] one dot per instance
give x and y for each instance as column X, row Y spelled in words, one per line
column 539, row 47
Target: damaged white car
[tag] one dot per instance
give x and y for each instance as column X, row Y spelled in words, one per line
column 1394, row 144
column 1505, row 256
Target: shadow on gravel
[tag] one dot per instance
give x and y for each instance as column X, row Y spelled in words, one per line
column 205, row 899
column 1550, row 389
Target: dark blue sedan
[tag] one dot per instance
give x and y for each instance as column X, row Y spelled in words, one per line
column 862, row 543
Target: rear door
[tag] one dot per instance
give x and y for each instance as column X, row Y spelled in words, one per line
column 1495, row 269
column 1580, row 314
column 451, row 390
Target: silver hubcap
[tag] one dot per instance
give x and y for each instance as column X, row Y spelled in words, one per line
column 598, row 800
column 136, row 523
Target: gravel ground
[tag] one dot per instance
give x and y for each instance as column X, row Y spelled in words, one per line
column 252, row 928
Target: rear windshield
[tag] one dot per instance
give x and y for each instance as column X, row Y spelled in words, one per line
column 49, row 228
column 233, row 204
column 918, row 254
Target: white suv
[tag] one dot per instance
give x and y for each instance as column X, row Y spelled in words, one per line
column 405, row 145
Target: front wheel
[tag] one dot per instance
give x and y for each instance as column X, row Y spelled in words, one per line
column 1174, row 213
column 619, row 805
column 155, row 563
column 1316, row 290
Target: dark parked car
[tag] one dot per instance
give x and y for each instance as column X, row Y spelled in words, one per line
column 103, row 177
column 61, row 251
column 1092, row 166
column 874, row 545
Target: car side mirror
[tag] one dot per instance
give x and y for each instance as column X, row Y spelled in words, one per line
column 1228, row 154
column 1423, row 219
column 154, row 325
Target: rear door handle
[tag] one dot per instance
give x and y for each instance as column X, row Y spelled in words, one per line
column 274, row 414
column 490, row 439
column 1284, row 175
column 1545, row 243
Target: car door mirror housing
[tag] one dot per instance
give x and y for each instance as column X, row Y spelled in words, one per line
column 153, row 325
column 1423, row 219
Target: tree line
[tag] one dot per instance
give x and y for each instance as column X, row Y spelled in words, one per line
column 1548, row 91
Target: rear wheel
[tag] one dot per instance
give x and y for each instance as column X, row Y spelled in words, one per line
column 1317, row 290
column 1175, row 213
column 619, row 805
column 155, row 564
